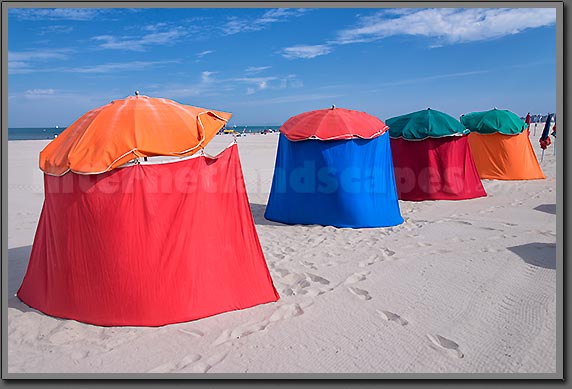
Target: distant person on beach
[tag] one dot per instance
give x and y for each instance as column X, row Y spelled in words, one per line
column 544, row 138
column 527, row 120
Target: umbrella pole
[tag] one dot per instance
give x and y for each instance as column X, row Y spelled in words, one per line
column 535, row 124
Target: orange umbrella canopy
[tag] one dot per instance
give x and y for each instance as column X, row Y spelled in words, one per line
column 138, row 126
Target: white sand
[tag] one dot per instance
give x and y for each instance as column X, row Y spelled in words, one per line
column 466, row 286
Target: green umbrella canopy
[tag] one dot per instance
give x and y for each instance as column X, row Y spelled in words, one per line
column 495, row 120
column 424, row 124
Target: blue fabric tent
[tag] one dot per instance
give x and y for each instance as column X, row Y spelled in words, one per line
column 341, row 183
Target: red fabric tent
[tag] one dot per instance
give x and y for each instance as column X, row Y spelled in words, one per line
column 435, row 169
column 149, row 244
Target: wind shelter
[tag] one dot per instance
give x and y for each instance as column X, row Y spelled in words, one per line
column 432, row 158
column 334, row 168
column 500, row 146
column 146, row 243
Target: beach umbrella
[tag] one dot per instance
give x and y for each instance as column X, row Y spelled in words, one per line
column 332, row 124
column 427, row 123
column 554, row 135
column 135, row 127
column 494, row 121
column 544, row 138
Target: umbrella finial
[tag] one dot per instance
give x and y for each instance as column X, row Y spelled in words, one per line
column 333, row 106
column 136, row 93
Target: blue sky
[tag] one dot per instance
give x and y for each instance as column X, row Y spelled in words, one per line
column 266, row 65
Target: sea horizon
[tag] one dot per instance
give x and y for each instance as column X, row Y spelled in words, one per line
column 50, row 132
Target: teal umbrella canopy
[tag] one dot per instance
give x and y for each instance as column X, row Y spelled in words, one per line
column 427, row 123
column 495, row 120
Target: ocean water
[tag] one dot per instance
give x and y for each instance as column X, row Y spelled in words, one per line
column 253, row 129
column 51, row 132
column 33, row 133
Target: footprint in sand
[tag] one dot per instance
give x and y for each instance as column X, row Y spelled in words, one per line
column 422, row 244
column 356, row 277
column 510, row 224
column 295, row 280
column 286, row 311
column 359, row 293
column 240, row 332
column 445, row 344
column 286, row 292
column 308, row 264
column 281, row 272
column 312, row 292
column 205, row 366
column 78, row 355
column 318, row 279
column 461, row 222
column 388, row 253
column 248, row 329
column 195, row 333
column 390, row 316
column 171, row 367
column 370, row 261
column 223, row 337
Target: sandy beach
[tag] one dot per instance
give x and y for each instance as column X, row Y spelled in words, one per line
column 460, row 287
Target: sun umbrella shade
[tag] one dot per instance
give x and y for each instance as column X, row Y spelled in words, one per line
column 332, row 124
column 138, row 126
column 494, row 121
column 424, row 124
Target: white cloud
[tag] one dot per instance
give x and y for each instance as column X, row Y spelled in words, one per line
column 114, row 67
column 155, row 27
column 56, row 29
column 256, row 69
column 430, row 78
column 449, row 25
column 445, row 26
column 292, row 99
column 31, row 55
column 22, row 62
column 306, row 51
column 203, row 53
column 208, row 85
column 134, row 43
column 235, row 25
column 256, row 84
column 77, row 14
column 35, row 93
column 205, row 76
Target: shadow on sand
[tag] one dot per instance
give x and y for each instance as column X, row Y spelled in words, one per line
column 18, row 258
column 537, row 254
column 258, row 215
column 548, row 208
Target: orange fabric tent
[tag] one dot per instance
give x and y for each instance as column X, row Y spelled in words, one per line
column 504, row 157
column 109, row 136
